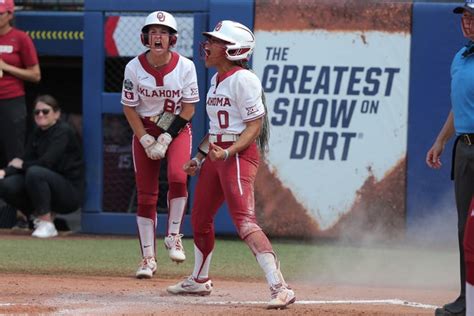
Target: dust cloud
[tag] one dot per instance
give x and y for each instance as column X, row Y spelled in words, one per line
column 372, row 244
column 425, row 256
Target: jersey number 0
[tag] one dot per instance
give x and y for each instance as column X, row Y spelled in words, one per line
column 223, row 118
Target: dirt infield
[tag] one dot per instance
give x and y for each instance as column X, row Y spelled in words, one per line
column 74, row 295
column 56, row 293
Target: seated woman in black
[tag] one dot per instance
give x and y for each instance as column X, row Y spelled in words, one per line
column 50, row 177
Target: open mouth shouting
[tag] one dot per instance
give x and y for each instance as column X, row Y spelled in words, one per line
column 157, row 44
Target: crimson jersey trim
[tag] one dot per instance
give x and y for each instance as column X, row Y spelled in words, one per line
column 219, row 79
column 159, row 74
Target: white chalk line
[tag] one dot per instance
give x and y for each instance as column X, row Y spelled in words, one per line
column 361, row 302
column 308, row 302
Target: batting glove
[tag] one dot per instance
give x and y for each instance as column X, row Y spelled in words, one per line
column 161, row 146
column 148, row 143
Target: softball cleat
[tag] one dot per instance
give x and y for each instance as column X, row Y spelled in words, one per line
column 282, row 296
column 175, row 248
column 191, row 287
column 147, row 268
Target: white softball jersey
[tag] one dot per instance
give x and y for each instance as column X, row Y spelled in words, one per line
column 152, row 91
column 232, row 100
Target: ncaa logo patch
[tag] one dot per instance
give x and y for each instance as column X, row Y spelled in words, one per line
column 128, row 84
column 160, row 16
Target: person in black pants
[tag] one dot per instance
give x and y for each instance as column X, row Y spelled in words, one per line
column 50, row 177
column 460, row 123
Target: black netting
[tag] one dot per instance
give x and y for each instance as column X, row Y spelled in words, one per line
column 114, row 68
column 119, row 179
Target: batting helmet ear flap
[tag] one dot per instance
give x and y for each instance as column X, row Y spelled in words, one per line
column 173, row 39
column 144, row 39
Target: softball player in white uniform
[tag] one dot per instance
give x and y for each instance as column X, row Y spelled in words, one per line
column 236, row 113
column 158, row 97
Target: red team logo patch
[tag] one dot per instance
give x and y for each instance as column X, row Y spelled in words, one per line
column 218, row 26
column 160, row 16
column 129, row 95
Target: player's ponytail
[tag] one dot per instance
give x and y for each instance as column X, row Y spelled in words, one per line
column 264, row 137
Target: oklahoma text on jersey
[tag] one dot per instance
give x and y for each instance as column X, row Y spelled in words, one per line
column 218, row 101
column 159, row 93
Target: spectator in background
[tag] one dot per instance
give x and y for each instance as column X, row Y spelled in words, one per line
column 460, row 122
column 18, row 63
column 50, row 177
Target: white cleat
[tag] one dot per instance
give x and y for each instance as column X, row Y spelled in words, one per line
column 147, row 268
column 175, row 248
column 44, row 229
column 282, row 296
column 190, row 287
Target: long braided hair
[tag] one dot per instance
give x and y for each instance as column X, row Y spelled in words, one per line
column 264, row 137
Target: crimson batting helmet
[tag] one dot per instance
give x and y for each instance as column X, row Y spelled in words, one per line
column 241, row 40
column 160, row 18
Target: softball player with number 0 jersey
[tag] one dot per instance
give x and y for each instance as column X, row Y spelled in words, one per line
column 228, row 160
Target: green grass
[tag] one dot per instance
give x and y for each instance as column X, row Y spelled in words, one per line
column 231, row 259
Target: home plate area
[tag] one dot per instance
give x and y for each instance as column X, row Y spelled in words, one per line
column 85, row 295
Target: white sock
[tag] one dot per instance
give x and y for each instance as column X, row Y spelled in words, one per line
column 176, row 212
column 469, row 299
column 268, row 263
column 146, row 229
column 201, row 269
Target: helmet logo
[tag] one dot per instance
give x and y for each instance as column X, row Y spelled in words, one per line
column 160, row 16
column 218, row 26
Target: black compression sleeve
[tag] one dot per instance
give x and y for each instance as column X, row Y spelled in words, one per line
column 177, row 126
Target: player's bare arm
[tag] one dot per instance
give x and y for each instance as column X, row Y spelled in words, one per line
column 193, row 165
column 433, row 156
column 248, row 136
column 188, row 111
column 134, row 120
column 146, row 140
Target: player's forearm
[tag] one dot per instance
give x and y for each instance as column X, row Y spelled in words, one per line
column 247, row 137
column 134, row 121
column 200, row 156
column 188, row 111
